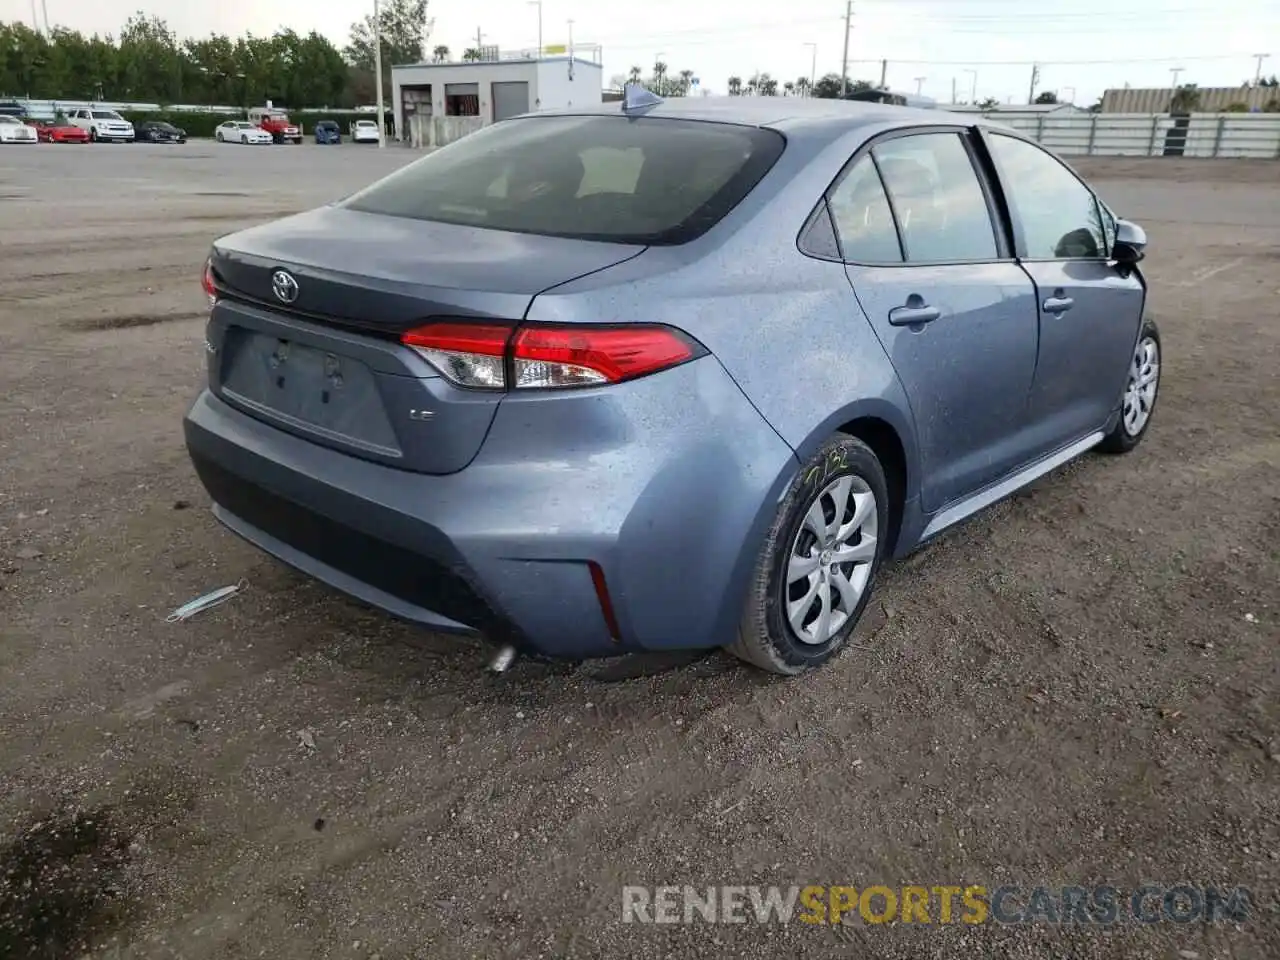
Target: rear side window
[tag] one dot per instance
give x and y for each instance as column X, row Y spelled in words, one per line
column 1058, row 215
column 863, row 219
column 941, row 209
column 645, row 180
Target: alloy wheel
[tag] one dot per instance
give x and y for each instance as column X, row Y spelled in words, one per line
column 830, row 561
column 1140, row 390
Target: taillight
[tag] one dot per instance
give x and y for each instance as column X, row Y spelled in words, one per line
column 206, row 281
column 499, row 356
column 469, row 354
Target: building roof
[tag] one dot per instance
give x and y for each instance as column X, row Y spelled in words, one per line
column 504, row 62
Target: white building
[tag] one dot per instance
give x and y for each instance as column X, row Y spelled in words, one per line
column 435, row 103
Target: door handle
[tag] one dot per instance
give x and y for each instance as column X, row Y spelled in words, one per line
column 910, row 316
column 1058, row 304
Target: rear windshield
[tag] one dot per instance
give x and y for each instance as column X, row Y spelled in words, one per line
column 644, row 180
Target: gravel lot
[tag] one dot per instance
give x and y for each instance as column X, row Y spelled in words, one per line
column 1078, row 687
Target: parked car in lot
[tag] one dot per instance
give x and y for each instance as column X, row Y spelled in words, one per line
column 277, row 123
column 102, row 125
column 364, row 131
column 240, row 131
column 328, row 132
column 13, row 130
column 682, row 374
column 60, row 130
column 159, row 131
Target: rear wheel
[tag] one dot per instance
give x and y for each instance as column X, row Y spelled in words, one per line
column 815, row 573
column 218, row 136
column 1138, row 402
column 244, row 139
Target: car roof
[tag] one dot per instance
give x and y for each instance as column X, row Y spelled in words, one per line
column 815, row 114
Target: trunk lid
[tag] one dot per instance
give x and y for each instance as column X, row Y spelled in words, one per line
column 327, row 364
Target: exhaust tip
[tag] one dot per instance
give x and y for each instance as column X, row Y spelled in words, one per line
column 503, row 659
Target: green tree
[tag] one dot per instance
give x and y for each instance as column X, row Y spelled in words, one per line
column 829, row 86
column 403, row 25
column 471, row 54
column 148, row 61
column 735, row 86
column 1047, row 97
column 1186, row 99
column 990, row 103
column 440, row 54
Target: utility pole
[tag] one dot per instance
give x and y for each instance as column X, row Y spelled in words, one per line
column 884, row 70
column 1257, row 74
column 377, row 73
column 35, row 17
column 479, row 40
column 953, row 91
column 973, row 90
column 813, row 68
column 44, row 5
column 538, row 4
column 1035, row 77
column 920, row 84
column 844, row 60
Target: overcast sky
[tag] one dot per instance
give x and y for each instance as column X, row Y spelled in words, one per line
column 1085, row 46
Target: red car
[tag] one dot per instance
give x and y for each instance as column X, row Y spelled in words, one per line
column 60, row 131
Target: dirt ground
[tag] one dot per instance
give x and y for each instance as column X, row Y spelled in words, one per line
column 1078, row 687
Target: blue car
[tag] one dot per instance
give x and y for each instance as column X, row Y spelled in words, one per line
column 328, row 132
column 667, row 374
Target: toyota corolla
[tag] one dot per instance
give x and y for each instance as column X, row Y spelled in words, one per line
column 667, row 374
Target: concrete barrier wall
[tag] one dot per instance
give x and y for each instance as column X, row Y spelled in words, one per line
column 426, row 132
column 1155, row 135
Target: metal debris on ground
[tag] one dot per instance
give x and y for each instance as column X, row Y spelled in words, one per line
column 211, row 599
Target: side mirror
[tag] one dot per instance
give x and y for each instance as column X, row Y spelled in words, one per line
column 1131, row 243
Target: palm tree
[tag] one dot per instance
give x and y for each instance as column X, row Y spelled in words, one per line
column 440, row 53
column 659, row 78
column 686, row 82
column 753, row 85
column 802, row 86
column 767, row 86
column 735, row 86
column 635, row 74
column 471, row 54
column 788, row 88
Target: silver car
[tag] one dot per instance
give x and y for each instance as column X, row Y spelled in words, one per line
column 660, row 375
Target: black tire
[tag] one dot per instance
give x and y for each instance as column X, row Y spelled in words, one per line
column 766, row 638
column 1122, row 437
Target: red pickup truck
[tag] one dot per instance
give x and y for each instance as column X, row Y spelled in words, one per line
column 276, row 122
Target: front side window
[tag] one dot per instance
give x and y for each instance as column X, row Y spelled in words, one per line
column 1058, row 215
column 939, row 203
column 863, row 220
column 625, row 180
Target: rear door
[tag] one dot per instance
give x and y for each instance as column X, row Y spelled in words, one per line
column 1089, row 313
column 955, row 313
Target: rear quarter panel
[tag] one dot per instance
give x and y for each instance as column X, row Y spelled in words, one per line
column 786, row 326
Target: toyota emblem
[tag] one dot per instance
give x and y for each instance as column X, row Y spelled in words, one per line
column 284, row 286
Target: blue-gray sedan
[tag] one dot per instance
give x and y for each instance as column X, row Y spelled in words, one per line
column 684, row 374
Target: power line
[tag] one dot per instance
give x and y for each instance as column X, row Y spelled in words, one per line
column 1059, row 63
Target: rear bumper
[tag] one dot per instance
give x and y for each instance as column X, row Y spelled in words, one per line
column 669, row 492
